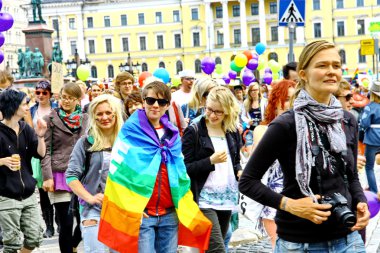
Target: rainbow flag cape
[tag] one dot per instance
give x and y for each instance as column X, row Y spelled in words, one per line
column 135, row 161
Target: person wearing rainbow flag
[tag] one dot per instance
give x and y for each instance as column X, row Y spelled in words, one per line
column 148, row 205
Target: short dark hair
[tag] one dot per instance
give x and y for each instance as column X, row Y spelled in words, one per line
column 159, row 88
column 10, row 101
column 286, row 68
column 132, row 98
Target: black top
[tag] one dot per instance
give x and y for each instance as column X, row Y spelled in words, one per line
column 280, row 142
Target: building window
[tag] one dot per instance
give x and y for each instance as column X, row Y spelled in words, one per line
column 160, row 42
column 339, row 4
column 219, row 38
column 55, row 25
column 362, row 58
column 158, row 17
column 108, row 46
column 161, row 64
column 177, row 40
column 218, row 60
column 378, row 3
column 316, row 5
column 342, row 54
column 110, row 71
column 340, row 28
column 273, row 7
column 141, row 19
column 94, row 72
column 255, row 35
column 107, row 21
column 317, row 30
column 273, row 56
column 254, row 9
column 142, row 43
column 361, row 26
column 125, row 44
column 196, row 42
column 144, row 67
column 91, row 46
column 123, row 20
column 194, row 14
column 90, row 22
column 274, row 33
column 179, row 66
column 73, row 46
column 219, row 12
column 176, row 16
column 198, row 66
column 72, row 23
column 237, row 37
column 359, row 3
column 236, row 10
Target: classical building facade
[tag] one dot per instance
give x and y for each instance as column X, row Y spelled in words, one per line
column 177, row 34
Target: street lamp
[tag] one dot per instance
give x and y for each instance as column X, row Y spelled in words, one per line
column 73, row 65
column 129, row 66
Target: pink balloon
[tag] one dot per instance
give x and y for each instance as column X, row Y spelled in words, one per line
column 6, row 21
column 373, row 203
column 1, row 56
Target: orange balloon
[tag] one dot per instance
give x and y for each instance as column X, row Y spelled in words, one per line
column 143, row 76
column 248, row 54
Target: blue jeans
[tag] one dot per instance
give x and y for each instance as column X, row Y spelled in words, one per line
column 90, row 233
column 352, row 243
column 228, row 237
column 370, row 152
column 159, row 234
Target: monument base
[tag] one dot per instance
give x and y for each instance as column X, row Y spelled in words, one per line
column 27, row 82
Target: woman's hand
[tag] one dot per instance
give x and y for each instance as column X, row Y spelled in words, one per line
column 96, row 199
column 12, row 164
column 239, row 174
column 48, row 185
column 307, row 209
column 41, row 127
column 218, row 157
column 361, row 161
column 362, row 216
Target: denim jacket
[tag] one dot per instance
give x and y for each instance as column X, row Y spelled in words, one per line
column 370, row 122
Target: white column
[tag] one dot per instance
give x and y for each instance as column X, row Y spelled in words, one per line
column 262, row 23
column 80, row 40
column 281, row 35
column 300, row 34
column 226, row 25
column 210, row 26
column 65, row 47
column 243, row 24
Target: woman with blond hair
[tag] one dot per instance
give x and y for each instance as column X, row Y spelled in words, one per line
column 89, row 165
column 252, row 112
column 211, row 148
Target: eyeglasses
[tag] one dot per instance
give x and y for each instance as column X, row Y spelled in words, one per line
column 348, row 96
column 254, row 90
column 151, row 101
column 96, row 90
column 70, row 99
column 216, row 112
column 125, row 83
column 189, row 78
column 45, row 93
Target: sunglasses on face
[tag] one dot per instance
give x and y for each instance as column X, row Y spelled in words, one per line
column 45, row 93
column 189, row 78
column 161, row 102
column 348, row 96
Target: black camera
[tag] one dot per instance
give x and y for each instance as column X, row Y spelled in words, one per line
column 255, row 123
column 340, row 209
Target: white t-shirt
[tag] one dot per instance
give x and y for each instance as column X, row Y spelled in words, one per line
column 180, row 97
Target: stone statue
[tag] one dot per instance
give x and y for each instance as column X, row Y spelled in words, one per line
column 36, row 4
column 57, row 54
column 21, row 62
column 28, row 62
column 38, row 62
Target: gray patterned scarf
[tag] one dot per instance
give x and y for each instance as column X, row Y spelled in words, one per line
column 307, row 109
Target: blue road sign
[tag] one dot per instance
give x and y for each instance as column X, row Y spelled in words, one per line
column 291, row 11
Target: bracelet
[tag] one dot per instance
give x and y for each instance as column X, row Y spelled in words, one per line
column 283, row 204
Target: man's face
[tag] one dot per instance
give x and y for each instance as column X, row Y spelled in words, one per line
column 187, row 83
column 239, row 94
column 293, row 75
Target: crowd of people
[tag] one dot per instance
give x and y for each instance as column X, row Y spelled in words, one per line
column 146, row 169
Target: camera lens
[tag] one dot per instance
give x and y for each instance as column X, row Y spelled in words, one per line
column 345, row 216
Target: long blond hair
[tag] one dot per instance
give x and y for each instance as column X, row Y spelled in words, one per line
column 248, row 101
column 94, row 130
column 200, row 87
column 230, row 106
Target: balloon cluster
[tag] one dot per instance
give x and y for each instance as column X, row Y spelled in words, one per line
column 6, row 22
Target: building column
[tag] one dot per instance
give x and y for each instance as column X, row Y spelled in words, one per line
column 210, row 26
column 226, row 25
column 281, row 35
column 65, row 47
column 243, row 24
column 262, row 23
column 80, row 40
column 300, row 34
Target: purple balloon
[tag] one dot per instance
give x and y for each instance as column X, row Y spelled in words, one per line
column 248, row 76
column 232, row 74
column 267, row 78
column 2, row 39
column 373, row 203
column 226, row 79
column 1, row 56
column 208, row 65
column 1, row 4
column 268, row 70
column 252, row 64
column 6, row 21
column 255, row 56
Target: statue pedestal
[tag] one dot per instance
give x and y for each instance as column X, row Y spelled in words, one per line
column 27, row 82
column 38, row 35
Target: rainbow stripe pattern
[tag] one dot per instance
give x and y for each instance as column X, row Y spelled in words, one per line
column 135, row 161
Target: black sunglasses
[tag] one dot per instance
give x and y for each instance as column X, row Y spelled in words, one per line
column 45, row 93
column 348, row 96
column 161, row 102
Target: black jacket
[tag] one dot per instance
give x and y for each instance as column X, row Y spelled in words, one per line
column 18, row 184
column 197, row 149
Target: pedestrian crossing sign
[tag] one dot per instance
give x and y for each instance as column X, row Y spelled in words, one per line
column 291, row 11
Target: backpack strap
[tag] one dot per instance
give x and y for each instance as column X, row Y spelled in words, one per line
column 86, row 146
